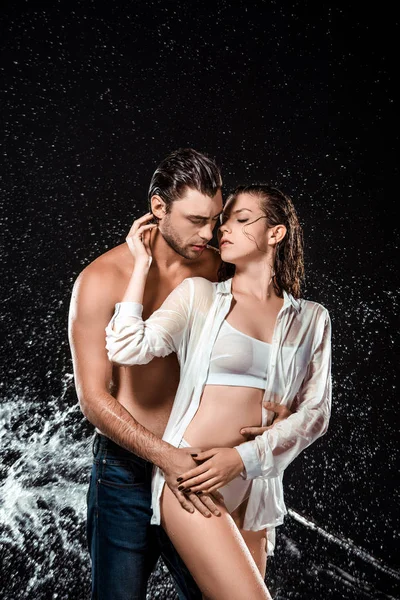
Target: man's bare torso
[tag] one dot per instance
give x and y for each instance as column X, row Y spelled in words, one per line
column 148, row 391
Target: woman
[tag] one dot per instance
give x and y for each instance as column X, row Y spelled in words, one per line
column 240, row 342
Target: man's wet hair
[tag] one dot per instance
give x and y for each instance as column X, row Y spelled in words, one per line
column 184, row 168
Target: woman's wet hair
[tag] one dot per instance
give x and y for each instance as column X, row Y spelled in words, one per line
column 289, row 259
column 181, row 169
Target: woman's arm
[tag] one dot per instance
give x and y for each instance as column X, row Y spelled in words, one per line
column 269, row 454
column 138, row 240
column 129, row 339
column 132, row 341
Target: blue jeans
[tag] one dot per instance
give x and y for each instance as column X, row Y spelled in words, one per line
column 123, row 546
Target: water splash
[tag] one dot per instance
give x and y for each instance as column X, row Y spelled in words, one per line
column 44, row 480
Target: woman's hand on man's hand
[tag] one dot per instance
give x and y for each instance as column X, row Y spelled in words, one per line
column 206, row 504
column 218, row 467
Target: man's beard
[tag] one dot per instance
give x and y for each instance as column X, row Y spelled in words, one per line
column 174, row 242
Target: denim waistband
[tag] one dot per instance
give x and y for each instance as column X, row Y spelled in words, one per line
column 103, row 445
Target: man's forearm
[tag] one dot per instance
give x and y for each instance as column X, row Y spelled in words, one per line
column 112, row 419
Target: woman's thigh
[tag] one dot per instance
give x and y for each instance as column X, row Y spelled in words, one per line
column 214, row 551
column 256, row 541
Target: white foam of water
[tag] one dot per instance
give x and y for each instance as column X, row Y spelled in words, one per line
column 46, row 474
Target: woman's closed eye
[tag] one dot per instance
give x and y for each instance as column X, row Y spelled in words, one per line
column 224, row 218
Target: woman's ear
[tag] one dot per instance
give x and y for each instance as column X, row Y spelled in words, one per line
column 276, row 234
column 157, row 206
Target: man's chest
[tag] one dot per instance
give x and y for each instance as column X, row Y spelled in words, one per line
column 157, row 291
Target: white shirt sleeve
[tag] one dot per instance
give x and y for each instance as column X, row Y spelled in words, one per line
column 132, row 341
column 269, row 454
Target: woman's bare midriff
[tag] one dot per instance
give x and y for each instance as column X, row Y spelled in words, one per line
column 222, row 413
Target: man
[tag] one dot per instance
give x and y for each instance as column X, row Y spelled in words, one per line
column 130, row 406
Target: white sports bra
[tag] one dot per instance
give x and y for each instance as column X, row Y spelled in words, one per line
column 238, row 359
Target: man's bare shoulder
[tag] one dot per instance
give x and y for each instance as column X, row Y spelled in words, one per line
column 107, row 273
column 112, row 263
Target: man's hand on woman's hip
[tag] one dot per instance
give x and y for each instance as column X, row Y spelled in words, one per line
column 282, row 412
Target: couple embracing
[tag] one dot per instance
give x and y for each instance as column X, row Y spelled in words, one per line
column 213, row 375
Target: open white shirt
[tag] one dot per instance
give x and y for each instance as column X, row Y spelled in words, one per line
column 298, row 376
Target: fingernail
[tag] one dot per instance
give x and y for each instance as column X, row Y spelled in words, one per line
column 187, row 491
column 193, row 454
column 208, row 515
column 217, row 513
column 180, row 479
column 198, row 493
column 192, row 510
column 181, row 487
column 242, row 431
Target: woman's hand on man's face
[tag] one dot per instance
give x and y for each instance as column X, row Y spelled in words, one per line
column 138, row 239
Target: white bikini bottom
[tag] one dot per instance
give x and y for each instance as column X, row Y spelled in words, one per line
column 235, row 492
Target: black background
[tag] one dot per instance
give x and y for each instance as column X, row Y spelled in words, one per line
column 93, row 96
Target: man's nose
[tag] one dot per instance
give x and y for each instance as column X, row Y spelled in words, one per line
column 206, row 232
